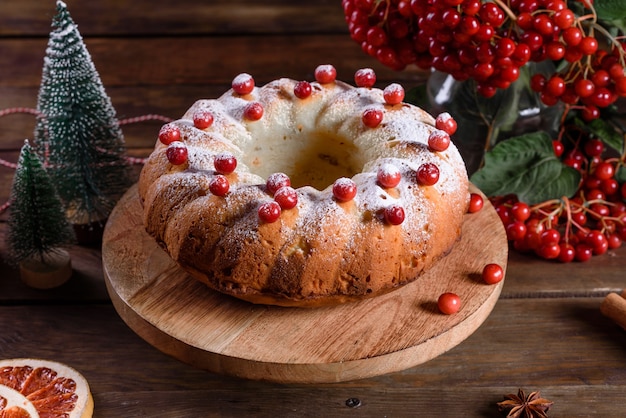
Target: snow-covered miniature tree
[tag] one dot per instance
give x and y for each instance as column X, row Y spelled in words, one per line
column 77, row 132
column 37, row 225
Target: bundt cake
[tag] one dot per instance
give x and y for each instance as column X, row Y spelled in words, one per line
column 304, row 193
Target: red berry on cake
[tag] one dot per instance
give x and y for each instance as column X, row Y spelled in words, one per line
column 225, row 163
column 176, row 153
column 393, row 94
column 446, row 123
column 286, row 197
column 169, row 133
column 388, row 175
column 302, row 89
column 202, row 119
column 394, row 214
column 438, row 140
column 365, row 77
column 372, row 117
column 428, row 174
column 253, row 111
column 344, row 189
column 219, row 185
column 275, row 181
column 325, row 74
column 243, row 84
column 269, row 212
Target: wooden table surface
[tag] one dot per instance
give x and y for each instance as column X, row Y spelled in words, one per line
column 546, row 332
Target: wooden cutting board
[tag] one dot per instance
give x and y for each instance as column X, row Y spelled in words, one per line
column 209, row 330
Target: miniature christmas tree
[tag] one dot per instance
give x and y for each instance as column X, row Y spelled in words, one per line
column 37, row 224
column 77, row 133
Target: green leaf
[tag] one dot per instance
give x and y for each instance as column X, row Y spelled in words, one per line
column 610, row 9
column 527, row 167
column 620, row 175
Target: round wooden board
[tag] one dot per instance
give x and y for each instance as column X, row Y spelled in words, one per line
column 185, row 319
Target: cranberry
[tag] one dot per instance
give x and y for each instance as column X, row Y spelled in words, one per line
column 372, row 117
column 302, row 89
column 476, row 203
column 325, row 74
column 449, row 303
column 202, row 119
column 389, row 175
column 393, row 94
column 344, row 189
column 269, row 212
column 169, row 133
column 428, row 174
column 446, row 123
column 176, row 153
column 253, row 111
column 394, row 214
column 438, row 140
column 365, row 77
column 219, row 185
column 225, row 163
column 243, row 84
column 492, row 273
column 287, row 197
column 275, row 181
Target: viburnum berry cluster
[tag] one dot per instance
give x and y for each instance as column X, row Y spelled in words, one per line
column 490, row 41
column 589, row 223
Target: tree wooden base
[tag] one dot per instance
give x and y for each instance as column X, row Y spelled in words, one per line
column 54, row 270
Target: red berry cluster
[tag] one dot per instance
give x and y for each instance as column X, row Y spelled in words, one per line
column 597, row 83
column 489, row 41
column 590, row 223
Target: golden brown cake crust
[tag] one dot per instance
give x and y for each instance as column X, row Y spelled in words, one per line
column 323, row 251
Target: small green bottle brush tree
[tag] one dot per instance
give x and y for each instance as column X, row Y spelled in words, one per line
column 37, row 226
column 77, row 132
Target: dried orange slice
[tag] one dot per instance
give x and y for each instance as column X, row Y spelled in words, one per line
column 31, row 388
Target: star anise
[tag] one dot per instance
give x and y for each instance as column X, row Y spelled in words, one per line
column 522, row 406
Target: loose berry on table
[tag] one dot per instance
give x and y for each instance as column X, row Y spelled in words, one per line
column 449, row 303
column 492, row 273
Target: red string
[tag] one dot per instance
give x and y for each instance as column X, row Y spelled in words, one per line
column 35, row 112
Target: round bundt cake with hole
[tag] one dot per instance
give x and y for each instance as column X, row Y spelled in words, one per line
column 303, row 193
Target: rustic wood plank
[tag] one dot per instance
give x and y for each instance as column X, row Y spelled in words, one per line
column 200, row 60
column 588, row 378
column 184, row 17
column 444, row 402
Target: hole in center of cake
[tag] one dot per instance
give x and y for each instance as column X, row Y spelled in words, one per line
column 309, row 160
